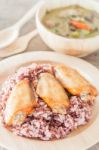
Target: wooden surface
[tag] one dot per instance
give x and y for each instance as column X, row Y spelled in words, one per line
column 11, row 11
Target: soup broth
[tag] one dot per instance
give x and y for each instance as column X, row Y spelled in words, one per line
column 72, row 22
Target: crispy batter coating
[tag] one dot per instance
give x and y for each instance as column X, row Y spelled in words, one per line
column 75, row 83
column 52, row 92
column 20, row 103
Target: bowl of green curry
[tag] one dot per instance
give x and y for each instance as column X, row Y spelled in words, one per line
column 69, row 26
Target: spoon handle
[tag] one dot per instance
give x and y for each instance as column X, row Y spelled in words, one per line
column 28, row 15
column 30, row 35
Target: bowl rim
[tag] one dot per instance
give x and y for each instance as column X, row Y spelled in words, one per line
column 41, row 25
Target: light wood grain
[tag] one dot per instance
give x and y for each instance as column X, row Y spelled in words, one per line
column 11, row 11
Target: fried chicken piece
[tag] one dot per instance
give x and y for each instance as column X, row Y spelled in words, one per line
column 20, row 103
column 52, row 92
column 75, row 83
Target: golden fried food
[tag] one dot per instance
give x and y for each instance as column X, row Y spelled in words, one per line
column 52, row 92
column 20, row 103
column 75, row 83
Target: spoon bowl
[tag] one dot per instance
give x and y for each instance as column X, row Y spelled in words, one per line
column 7, row 36
column 18, row 46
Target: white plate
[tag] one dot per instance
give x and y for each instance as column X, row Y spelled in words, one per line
column 83, row 138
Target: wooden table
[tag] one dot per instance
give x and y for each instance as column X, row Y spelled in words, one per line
column 11, row 11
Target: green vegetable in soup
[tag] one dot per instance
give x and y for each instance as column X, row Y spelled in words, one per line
column 72, row 22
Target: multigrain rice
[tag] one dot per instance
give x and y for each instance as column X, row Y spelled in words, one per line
column 43, row 123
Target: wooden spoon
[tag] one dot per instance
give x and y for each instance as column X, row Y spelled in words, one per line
column 18, row 46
